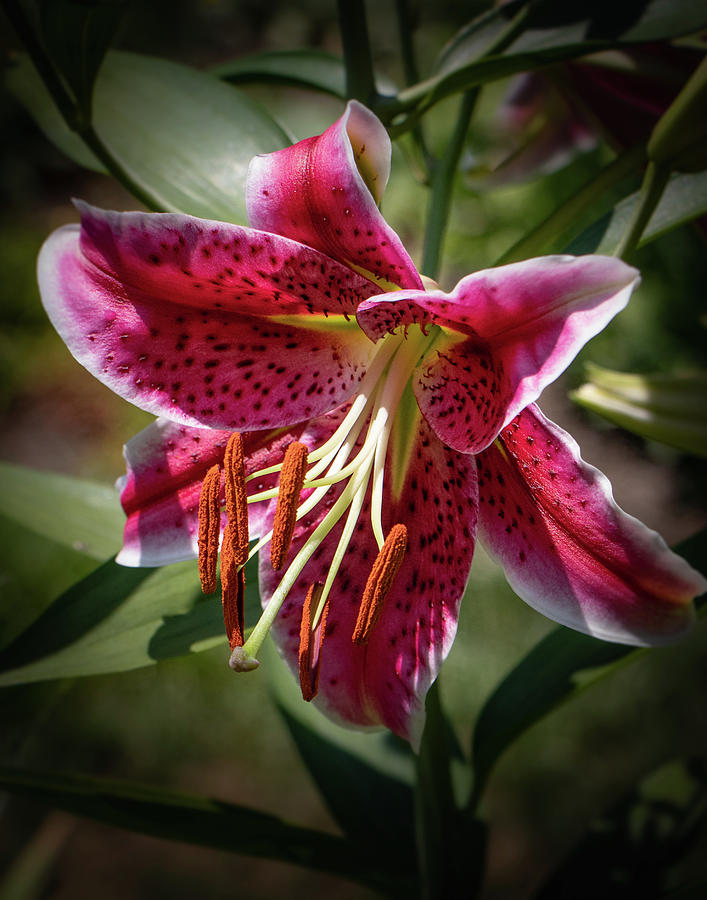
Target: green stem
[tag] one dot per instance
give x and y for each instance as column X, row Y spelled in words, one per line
column 114, row 168
column 654, row 183
column 405, row 18
column 418, row 98
column 445, row 170
column 406, row 26
column 360, row 80
column 436, row 813
column 543, row 238
column 442, row 187
column 76, row 119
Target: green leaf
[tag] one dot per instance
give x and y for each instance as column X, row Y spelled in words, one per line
column 76, row 513
column 553, row 672
column 207, row 823
column 77, row 34
column 365, row 779
column 117, row 619
column 477, row 37
column 451, row 844
column 554, row 24
column 556, row 32
column 184, row 136
column 665, row 408
column 373, row 808
column 684, row 199
column 642, row 839
column 312, row 69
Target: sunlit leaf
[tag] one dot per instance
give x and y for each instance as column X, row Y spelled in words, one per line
column 74, row 512
column 208, row 823
column 684, row 199
column 118, row 619
column 552, row 673
column 184, row 136
column 313, row 69
column 34, row 571
column 666, row 408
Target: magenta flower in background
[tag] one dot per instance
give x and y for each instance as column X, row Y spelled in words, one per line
column 417, row 408
column 552, row 117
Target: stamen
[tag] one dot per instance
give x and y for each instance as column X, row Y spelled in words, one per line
column 294, row 468
column 380, row 581
column 310, row 642
column 236, row 499
column 209, row 526
column 232, row 589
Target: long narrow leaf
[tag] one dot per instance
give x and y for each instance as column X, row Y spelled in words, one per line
column 118, row 619
column 684, row 200
column 556, row 33
column 208, row 823
column 554, row 671
column 365, row 779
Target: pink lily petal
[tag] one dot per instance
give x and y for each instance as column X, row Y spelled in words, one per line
column 162, row 309
column 524, row 323
column 568, row 550
column 166, row 463
column 323, row 192
column 384, row 682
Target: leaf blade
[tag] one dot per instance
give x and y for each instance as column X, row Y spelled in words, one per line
column 311, row 69
column 74, row 512
column 183, row 135
column 117, row 619
column 556, row 669
column 202, row 821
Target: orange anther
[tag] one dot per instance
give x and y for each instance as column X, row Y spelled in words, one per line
column 209, row 527
column 232, row 589
column 236, row 498
column 310, row 642
column 294, row 468
column 380, row 581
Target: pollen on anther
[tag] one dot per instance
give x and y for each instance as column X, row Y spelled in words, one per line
column 209, row 526
column 232, row 590
column 294, row 468
column 380, row 581
column 310, row 642
column 236, row 498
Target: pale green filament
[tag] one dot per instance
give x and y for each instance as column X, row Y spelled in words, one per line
column 380, row 398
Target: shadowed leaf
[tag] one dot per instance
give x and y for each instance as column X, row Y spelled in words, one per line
column 208, row 823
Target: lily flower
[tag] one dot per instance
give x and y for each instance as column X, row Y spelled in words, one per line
column 371, row 426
